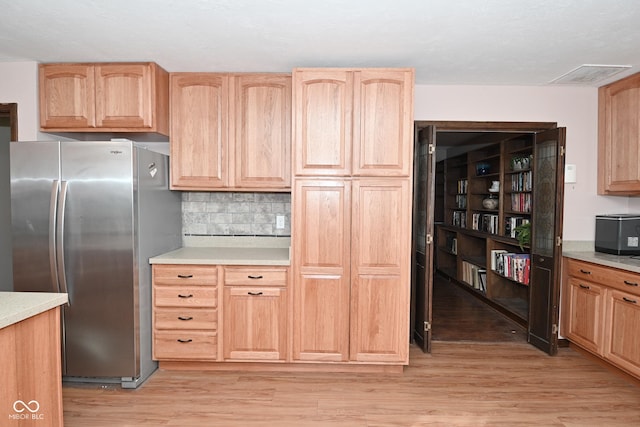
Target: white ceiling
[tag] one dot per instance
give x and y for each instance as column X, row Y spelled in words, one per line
column 514, row 42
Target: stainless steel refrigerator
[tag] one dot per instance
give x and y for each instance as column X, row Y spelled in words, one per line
column 86, row 217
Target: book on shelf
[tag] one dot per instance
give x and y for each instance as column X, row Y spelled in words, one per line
column 482, row 280
column 515, row 266
column 510, row 224
column 471, row 274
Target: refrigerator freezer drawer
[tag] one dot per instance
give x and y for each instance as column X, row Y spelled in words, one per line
column 185, row 296
column 186, row 318
column 196, row 345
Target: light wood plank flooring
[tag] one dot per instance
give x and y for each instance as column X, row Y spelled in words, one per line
column 459, row 384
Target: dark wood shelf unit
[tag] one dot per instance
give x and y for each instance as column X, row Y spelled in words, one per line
column 479, row 169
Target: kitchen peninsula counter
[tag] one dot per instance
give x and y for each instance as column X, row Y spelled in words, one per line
column 31, row 374
column 18, row 306
column 232, row 250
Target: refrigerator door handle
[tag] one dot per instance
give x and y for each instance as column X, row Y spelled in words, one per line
column 62, row 275
column 53, row 210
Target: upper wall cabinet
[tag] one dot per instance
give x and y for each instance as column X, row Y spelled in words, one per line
column 230, row 131
column 110, row 97
column 353, row 122
column 619, row 137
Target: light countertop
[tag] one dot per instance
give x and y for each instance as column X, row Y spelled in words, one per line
column 229, row 251
column 585, row 252
column 17, row 306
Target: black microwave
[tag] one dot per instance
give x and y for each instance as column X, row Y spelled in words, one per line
column 618, row 234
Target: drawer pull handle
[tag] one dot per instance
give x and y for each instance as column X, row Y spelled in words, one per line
column 626, row 282
column 585, row 271
column 185, row 296
column 184, row 341
column 632, row 301
column 185, row 318
column 585, row 286
column 254, row 293
column 185, row 276
column 254, row 277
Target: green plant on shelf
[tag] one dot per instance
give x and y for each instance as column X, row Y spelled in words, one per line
column 523, row 234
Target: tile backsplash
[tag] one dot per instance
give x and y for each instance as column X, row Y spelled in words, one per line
column 235, row 214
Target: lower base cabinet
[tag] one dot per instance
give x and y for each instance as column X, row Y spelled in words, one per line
column 601, row 307
column 255, row 314
column 188, row 314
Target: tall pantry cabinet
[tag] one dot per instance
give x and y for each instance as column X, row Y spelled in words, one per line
column 351, row 203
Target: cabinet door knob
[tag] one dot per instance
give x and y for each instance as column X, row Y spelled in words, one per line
column 254, row 277
column 254, row 293
column 585, row 271
column 185, row 276
column 185, row 296
column 632, row 301
column 185, row 318
column 585, row 286
column 628, row 283
column 184, row 341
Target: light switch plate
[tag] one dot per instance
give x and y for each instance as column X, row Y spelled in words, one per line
column 569, row 174
column 279, row 221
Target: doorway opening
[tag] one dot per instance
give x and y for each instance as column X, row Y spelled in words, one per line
column 457, row 295
column 8, row 132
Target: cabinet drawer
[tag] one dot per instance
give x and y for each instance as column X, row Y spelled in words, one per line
column 185, row 345
column 185, row 296
column 184, row 275
column 609, row 276
column 255, row 276
column 186, row 318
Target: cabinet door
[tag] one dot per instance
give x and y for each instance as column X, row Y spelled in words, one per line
column 584, row 316
column 123, row 96
column 618, row 136
column 322, row 121
column 261, row 124
column 383, row 122
column 321, row 211
column 381, row 265
column 67, row 96
column 623, row 341
column 199, row 114
column 255, row 323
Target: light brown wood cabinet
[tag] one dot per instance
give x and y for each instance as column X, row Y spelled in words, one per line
column 104, row 97
column 351, row 210
column 619, row 137
column 255, row 313
column 230, row 131
column 31, row 371
column 353, row 122
column 601, row 307
column 185, row 312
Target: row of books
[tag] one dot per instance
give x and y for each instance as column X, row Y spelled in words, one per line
column 459, row 219
column 515, row 266
column 485, row 222
column 461, row 201
column 475, row 276
column 521, row 202
column 510, row 224
column 521, row 181
column 462, row 186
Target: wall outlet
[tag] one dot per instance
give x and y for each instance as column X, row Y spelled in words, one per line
column 279, row 221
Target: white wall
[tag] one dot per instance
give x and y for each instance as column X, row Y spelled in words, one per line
column 575, row 108
column 19, row 84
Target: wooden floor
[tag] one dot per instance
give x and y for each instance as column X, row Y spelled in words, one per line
column 463, row 382
column 459, row 316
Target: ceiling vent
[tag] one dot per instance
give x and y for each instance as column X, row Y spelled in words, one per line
column 589, row 74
